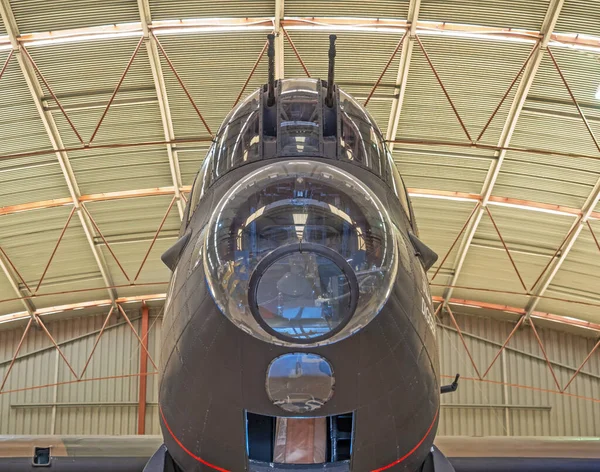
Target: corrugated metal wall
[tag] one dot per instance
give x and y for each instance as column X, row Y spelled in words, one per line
column 476, row 409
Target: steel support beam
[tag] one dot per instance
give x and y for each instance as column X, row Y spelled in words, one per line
column 55, row 139
column 142, row 400
column 163, row 101
column 505, row 137
column 279, row 40
column 402, row 77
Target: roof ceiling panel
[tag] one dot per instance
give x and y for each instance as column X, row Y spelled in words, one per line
column 29, row 239
column 113, row 170
column 172, row 10
column 579, row 16
column 129, row 238
column 24, row 183
column 350, row 50
column 545, row 179
column 544, row 234
column 190, row 161
column 35, row 16
column 440, row 221
column 532, row 239
column 351, row 8
column 434, row 171
column 550, row 120
column 561, row 308
column 501, row 13
column 582, row 73
column 14, row 306
column 31, row 178
column 476, row 75
column 487, row 275
column 83, row 76
column 557, row 135
column 214, row 72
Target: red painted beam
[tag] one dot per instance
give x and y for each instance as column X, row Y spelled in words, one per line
column 143, row 373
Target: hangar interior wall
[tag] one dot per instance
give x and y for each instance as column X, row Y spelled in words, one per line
column 518, row 397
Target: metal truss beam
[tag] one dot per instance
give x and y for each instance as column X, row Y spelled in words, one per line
column 163, row 100
column 586, row 42
column 516, row 203
column 505, row 137
column 55, row 139
column 566, row 320
column 403, row 68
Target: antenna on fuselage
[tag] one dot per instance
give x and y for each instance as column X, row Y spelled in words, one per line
column 271, row 84
column 331, row 72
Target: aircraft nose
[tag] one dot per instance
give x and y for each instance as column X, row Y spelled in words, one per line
column 300, row 252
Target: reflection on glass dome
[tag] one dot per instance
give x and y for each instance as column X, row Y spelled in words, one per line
column 297, row 205
column 300, row 382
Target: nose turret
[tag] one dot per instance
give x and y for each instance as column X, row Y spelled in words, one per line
column 300, row 252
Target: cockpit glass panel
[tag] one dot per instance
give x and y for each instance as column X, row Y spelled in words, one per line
column 202, row 181
column 239, row 139
column 299, row 120
column 360, row 140
column 398, row 185
column 303, row 295
column 304, row 204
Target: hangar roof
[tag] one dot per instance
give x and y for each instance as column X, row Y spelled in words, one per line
column 491, row 108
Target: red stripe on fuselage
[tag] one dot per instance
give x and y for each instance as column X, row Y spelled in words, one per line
column 409, row 453
column 188, row 452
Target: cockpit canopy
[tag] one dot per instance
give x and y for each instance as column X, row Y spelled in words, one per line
column 299, row 124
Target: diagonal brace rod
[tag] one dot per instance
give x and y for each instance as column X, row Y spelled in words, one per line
column 106, row 243
column 185, row 89
column 112, row 97
column 110, row 312
column 154, row 239
column 504, row 97
column 287, row 36
column 260, row 56
column 462, row 230
column 541, row 344
column 582, row 364
column 41, row 76
column 439, row 80
column 43, row 326
column 385, row 69
column 487, row 209
column 12, row 362
column 464, row 343
column 517, row 326
column 15, row 269
column 55, row 248
column 136, row 335
column 575, row 102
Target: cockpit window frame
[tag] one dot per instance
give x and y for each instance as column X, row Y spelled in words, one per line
column 208, row 176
